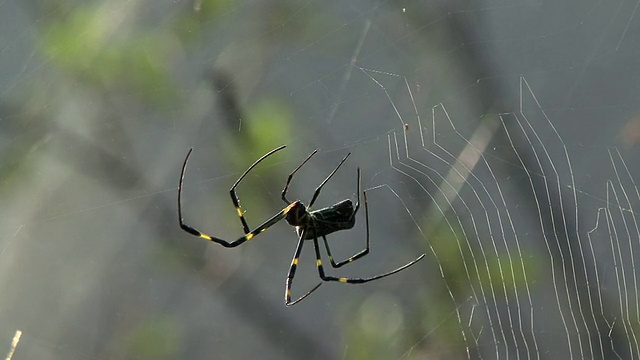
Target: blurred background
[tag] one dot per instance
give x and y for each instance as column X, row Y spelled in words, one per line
column 498, row 137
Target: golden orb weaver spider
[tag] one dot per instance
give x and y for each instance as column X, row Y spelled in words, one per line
column 309, row 224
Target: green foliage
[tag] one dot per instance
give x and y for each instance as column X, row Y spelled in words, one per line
column 96, row 48
column 493, row 269
column 189, row 27
column 269, row 125
column 377, row 329
column 466, row 268
column 157, row 339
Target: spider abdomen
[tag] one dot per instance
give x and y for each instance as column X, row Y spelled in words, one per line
column 339, row 216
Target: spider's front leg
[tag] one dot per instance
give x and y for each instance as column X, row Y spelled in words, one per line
column 249, row 234
column 234, row 196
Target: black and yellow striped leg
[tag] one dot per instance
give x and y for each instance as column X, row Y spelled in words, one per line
column 232, row 191
column 353, row 258
column 267, row 224
column 249, row 234
column 325, row 277
column 292, row 273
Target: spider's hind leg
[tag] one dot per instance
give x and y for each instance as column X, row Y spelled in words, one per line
column 362, row 253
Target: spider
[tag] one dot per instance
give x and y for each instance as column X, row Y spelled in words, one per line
column 309, row 225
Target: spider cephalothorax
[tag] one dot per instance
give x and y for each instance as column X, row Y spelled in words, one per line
column 309, row 225
column 297, row 215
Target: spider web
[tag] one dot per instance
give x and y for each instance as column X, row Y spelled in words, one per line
column 506, row 303
column 497, row 137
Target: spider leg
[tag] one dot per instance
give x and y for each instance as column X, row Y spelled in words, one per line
column 248, row 234
column 319, row 188
column 286, row 187
column 355, row 210
column 317, row 192
column 232, row 191
column 360, row 253
column 292, row 273
column 348, row 280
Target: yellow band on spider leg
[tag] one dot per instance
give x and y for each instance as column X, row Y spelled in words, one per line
column 205, row 236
